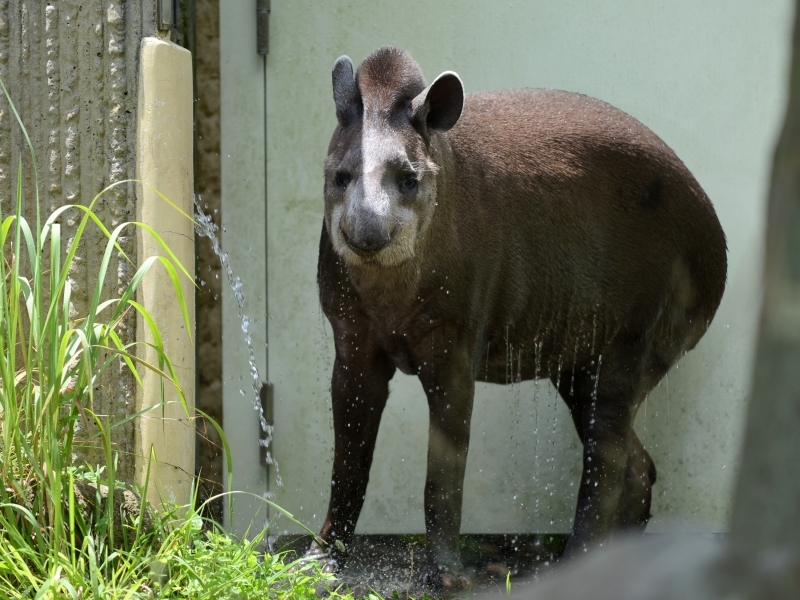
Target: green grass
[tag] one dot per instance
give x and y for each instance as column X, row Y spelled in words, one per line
column 60, row 535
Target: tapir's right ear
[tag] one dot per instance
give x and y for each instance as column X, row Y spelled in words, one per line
column 438, row 107
column 345, row 91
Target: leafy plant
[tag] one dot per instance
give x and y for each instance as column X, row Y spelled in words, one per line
column 73, row 531
column 193, row 564
column 49, row 364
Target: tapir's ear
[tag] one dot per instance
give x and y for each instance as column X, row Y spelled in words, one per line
column 345, row 91
column 438, row 107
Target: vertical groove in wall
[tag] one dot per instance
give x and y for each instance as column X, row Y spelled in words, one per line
column 25, row 104
column 119, row 149
column 208, row 298
column 69, row 103
column 5, row 116
column 71, row 68
column 34, row 67
column 53, row 159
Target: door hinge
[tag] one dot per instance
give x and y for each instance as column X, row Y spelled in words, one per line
column 165, row 16
column 263, row 8
column 267, row 407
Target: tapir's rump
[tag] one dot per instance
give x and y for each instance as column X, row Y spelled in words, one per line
column 458, row 228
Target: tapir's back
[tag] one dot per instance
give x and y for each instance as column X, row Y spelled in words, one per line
column 544, row 173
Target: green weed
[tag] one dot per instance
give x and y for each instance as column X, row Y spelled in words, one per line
column 69, row 530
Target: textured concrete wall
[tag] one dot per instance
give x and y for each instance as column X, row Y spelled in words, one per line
column 71, row 68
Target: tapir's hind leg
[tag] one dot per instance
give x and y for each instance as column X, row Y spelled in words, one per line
column 450, row 396
column 633, row 511
column 617, row 474
column 670, row 344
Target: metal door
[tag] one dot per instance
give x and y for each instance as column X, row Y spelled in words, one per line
column 707, row 79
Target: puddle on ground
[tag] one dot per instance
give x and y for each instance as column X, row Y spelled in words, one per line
column 389, row 564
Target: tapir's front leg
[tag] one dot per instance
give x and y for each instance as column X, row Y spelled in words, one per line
column 359, row 389
column 450, row 394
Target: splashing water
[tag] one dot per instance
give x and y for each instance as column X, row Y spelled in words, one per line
column 205, row 227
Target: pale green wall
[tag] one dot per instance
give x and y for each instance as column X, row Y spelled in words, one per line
column 708, row 77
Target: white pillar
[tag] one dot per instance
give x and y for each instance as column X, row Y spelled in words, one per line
column 165, row 164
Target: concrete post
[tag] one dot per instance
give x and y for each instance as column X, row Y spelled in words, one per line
column 165, row 164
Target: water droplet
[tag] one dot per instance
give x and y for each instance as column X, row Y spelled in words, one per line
column 206, row 227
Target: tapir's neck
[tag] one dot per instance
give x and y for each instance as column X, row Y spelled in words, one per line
column 386, row 286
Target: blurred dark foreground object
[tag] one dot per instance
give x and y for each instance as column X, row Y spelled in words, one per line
column 761, row 558
column 672, row 568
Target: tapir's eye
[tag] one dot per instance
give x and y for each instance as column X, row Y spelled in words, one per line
column 342, row 179
column 408, row 183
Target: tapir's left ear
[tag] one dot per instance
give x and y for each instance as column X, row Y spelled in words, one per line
column 438, row 107
column 345, row 91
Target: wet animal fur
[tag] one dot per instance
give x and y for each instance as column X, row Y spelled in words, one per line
column 547, row 235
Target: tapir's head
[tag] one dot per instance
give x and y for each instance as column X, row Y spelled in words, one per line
column 382, row 167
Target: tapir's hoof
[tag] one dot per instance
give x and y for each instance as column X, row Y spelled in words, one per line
column 434, row 577
column 456, row 581
column 316, row 555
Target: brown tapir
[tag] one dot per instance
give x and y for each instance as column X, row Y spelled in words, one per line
column 503, row 236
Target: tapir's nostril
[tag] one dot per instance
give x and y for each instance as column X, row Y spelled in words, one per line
column 366, row 239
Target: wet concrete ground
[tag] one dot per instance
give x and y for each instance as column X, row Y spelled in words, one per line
column 389, row 564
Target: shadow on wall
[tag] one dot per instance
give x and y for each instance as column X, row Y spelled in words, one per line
column 208, row 299
column 761, row 558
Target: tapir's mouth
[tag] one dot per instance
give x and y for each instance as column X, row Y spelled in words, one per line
column 365, row 255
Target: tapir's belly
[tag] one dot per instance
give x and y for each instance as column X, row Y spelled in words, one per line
column 522, row 351
column 507, row 360
column 499, row 363
column 510, row 364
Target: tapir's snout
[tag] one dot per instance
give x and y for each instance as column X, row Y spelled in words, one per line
column 365, row 231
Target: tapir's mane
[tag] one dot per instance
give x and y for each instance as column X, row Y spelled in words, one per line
column 387, row 76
